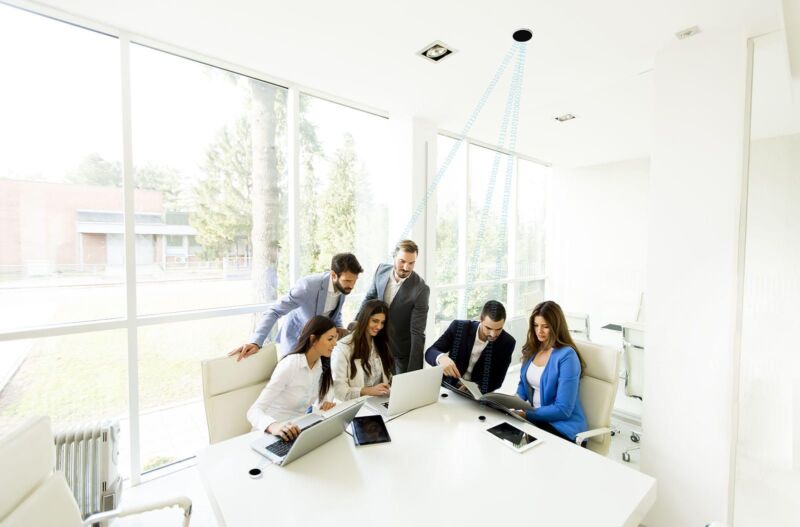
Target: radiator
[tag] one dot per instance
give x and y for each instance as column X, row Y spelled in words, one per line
column 88, row 456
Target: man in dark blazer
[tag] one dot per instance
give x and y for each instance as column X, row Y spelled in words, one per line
column 483, row 360
column 407, row 295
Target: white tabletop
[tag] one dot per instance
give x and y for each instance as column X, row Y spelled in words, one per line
column 441, row 467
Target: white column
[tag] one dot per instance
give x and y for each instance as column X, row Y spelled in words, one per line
column 691, row 360
column 415, row 141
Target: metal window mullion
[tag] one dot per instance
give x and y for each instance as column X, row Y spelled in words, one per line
column 130, row 257
column 511, row 241
column 463, row 214
column 293, row 155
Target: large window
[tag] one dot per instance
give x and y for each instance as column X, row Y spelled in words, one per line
column 489, row 231
column 345, row 190
column 60, row 174
column 210, row 158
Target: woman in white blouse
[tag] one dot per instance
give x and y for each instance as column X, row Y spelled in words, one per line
column 361, row 362
column 300, row 379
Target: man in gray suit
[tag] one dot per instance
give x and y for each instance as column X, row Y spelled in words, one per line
column 407, row 295
column 317, row 294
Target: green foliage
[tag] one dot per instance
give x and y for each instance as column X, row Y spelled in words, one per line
column 94, row 170
column 222, row 214
column 337, row 224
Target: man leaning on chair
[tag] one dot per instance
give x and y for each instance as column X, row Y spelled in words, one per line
column 317, row 294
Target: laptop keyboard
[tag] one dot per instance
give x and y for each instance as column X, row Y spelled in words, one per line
column 280, row 448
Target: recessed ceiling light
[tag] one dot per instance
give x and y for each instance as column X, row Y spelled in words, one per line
column 435, row 51
column 688, row 32
column 522, row 35
column 565, row 117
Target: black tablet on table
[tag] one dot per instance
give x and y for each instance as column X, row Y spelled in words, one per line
column 369, row 430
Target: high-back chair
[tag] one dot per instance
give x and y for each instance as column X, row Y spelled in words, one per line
column 598, row 390
column 231, row 387
column 578, row 324
column 34, row 494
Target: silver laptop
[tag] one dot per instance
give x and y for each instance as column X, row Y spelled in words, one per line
column 316, row 433
column 409, row 390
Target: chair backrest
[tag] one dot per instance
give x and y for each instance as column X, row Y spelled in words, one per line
column 598, row 389
column 633, row 353
column 32, row 493
column 578, row 324
column 230, row 388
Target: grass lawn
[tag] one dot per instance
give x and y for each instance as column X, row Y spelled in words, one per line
column 80, row 378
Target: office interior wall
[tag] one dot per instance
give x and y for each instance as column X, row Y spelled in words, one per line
column 597, row 242
column 696, row 177
column 767, row 478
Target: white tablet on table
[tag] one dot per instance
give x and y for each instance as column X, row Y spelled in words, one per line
column 514, row 438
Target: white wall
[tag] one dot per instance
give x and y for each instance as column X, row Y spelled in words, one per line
column 768, row 450
column 597, row 242
column 696, row 176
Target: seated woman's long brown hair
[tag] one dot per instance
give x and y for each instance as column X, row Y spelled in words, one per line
column 312, row 331
column 559, row 332
column 360, row 340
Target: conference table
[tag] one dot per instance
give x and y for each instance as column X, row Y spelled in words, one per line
column 441, row 467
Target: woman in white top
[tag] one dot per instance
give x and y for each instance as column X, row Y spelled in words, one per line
column 300, row 378
column 361, row 362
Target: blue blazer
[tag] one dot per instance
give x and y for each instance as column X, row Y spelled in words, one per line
column 303, row 302
column 561, row 406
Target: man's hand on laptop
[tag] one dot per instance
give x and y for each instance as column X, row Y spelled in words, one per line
column 450, row 368
column 379, row 389
column 244, row 351
column 286, row 431
column 326, row 405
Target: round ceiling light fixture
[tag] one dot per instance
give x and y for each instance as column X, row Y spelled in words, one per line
column 522, row 35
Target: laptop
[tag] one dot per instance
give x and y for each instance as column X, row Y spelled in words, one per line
column 409, row 391
column 317, row 432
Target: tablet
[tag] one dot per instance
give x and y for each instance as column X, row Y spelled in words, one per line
column 369, row 430
column 513, row 437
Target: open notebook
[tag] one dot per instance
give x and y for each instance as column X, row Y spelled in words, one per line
column 500, row 401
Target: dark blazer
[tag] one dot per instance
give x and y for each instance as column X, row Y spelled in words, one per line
column 408, row 315
column 460, row 336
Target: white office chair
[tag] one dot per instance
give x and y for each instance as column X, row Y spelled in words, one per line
column 598, row 389
column 578, row 324
column 230, row 388
column 633, row 353
column 34, row 494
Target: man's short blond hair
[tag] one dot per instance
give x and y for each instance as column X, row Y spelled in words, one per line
column 406, row 246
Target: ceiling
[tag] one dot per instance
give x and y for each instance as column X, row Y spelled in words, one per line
column 589, row 58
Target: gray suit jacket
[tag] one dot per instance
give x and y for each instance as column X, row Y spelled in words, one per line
column 303, row 302
column 408, row 315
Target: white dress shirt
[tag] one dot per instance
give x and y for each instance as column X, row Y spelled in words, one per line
column 392, row 286
column 534, row 378
column 345, row 388
column 477, row 349
column 288, row 394
column 331, row 299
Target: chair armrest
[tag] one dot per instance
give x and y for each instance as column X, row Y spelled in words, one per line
column 583, row 436
column 180, row 501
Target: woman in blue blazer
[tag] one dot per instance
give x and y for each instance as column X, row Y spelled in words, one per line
column 551, row 372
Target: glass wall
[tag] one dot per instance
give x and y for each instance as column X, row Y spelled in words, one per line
column 489, row 232
column 60, row 175
column 767, row 475
column 210, row 163
column 345, row 194
column 210, row 214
